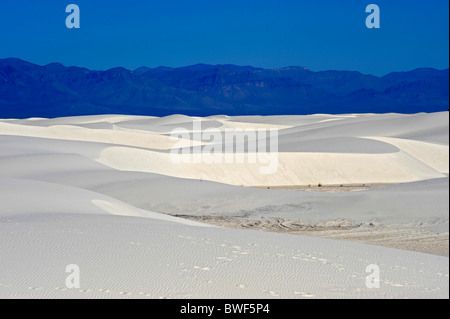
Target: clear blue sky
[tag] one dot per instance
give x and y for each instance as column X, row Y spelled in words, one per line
column 318, row 34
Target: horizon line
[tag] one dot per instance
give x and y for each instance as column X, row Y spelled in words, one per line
column 220, row 65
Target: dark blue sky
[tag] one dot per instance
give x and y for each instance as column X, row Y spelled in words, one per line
column 318, row 34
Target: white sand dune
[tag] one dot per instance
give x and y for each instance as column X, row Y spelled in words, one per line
column 101, row 192
column 344, row 151
column 55, row 199
column 434, row 155
column 293, row 169
column 92, row 134
column 125, row 257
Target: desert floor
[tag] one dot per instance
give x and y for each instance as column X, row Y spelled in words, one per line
column 104, row 193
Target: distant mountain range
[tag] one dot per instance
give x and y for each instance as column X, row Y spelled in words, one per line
column 53, row 90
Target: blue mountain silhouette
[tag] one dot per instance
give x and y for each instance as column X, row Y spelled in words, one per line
column 53, row 90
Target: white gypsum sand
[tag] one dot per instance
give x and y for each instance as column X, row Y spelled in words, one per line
column 101, row 192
